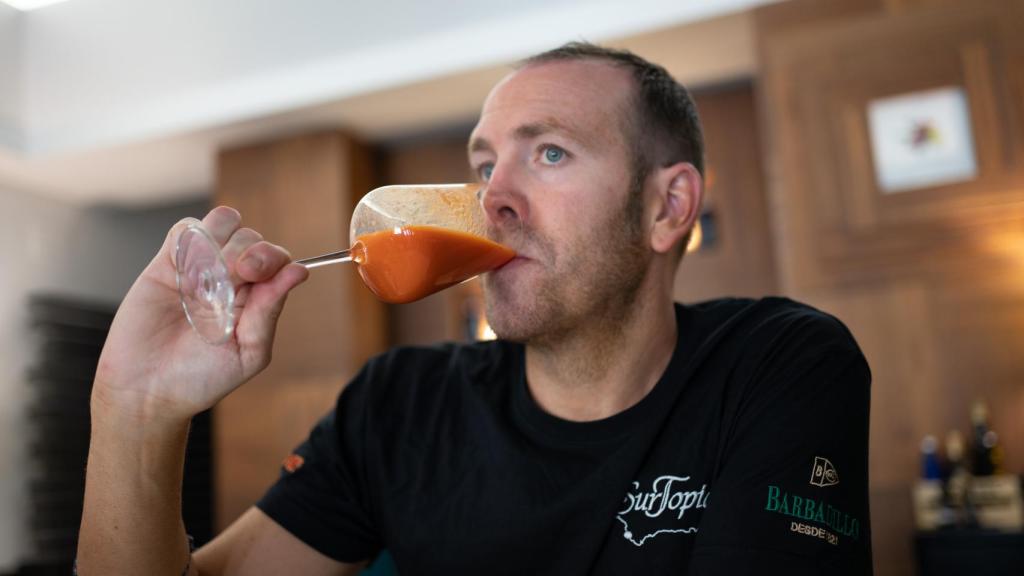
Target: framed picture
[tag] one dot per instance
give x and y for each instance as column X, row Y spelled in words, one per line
column 921, row 140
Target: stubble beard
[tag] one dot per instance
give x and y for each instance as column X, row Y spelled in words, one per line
column 593, row 284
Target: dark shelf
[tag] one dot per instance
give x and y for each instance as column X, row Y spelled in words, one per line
column 69, row 337
column 969, row 551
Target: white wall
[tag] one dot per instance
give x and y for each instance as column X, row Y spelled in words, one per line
column 149, row 60
column 51, row 245
column 105, row 72
column 10, row 77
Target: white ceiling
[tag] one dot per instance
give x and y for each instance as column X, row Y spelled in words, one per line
column 30, row 4
column 126, row 101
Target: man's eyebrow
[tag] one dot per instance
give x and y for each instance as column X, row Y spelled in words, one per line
column 527, row 132
column 480, row 145
column 532, row 130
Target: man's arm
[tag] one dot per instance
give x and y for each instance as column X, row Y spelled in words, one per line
column 154, row 375
column 131, row 521
column 255, row 544
column 133, row 509
column 792, row 491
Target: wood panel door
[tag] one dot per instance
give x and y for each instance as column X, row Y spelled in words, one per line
column 299, row 193
column 931, row 281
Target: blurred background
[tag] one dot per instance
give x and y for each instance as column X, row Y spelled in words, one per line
column 865, row 156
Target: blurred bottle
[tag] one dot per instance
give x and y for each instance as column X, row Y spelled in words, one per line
column 957, row 475
column 931, row 468
column 996, row 454
column 958, row 482
column 984, row 442
column 931, row 500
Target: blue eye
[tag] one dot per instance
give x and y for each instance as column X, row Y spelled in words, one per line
column 485, row 171
column 553, row 154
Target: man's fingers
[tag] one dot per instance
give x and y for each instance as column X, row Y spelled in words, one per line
column 239, row 242
column 262, row 272
column 264, row 303
column 261, row 261
column 221, row 223
column 251, row 259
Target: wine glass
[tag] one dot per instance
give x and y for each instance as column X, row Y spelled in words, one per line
column 408, row 241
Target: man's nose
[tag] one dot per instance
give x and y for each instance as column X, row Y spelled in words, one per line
column 503, row 200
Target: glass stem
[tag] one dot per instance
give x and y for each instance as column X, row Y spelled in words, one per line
column 325, row 259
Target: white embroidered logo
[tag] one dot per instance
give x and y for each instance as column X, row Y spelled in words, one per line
column 823, row 473
column 665, row 495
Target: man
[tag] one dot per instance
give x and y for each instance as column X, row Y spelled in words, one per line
column 610, row 431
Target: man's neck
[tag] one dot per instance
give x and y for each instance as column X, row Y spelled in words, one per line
column 606, row 365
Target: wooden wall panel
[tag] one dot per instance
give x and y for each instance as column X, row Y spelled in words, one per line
column 854, row 229
column 742, row 261
column 799, row 15
column 931, row 281
column 298, row 193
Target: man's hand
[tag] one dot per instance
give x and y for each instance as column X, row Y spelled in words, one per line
column 155, row 367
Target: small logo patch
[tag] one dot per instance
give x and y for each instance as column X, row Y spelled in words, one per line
column 292, row 463
column 823, row 473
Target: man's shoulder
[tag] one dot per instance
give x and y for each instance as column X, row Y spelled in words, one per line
column 771, row 331
column 772, row 317
column 764, row 305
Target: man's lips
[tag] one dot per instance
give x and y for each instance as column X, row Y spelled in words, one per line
column 514, row 262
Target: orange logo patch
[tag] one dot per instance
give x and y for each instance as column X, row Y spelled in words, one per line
column 292, row 463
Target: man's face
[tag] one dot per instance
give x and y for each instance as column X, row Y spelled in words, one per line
column 552, row 148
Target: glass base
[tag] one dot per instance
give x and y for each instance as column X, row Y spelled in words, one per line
column 204, row 284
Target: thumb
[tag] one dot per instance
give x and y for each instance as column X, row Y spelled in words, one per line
column 258, row 321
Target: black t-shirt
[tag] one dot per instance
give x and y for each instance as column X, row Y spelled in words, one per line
column 748, row 456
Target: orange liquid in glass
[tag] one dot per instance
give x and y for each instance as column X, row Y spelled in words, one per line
column 409, row 263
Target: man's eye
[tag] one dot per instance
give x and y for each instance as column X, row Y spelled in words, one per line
column 485, row 171
column 553, row 154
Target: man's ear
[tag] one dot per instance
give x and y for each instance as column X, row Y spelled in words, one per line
column 680, row 191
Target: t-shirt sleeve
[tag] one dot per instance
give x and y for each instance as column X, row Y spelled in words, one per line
column 790, row 495
column 320, row 496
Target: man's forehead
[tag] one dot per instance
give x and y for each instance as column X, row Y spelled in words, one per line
column 569, row 96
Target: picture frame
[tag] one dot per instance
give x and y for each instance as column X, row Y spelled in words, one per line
column 922, row 139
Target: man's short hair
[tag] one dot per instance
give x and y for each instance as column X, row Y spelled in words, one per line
column 665, row 128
